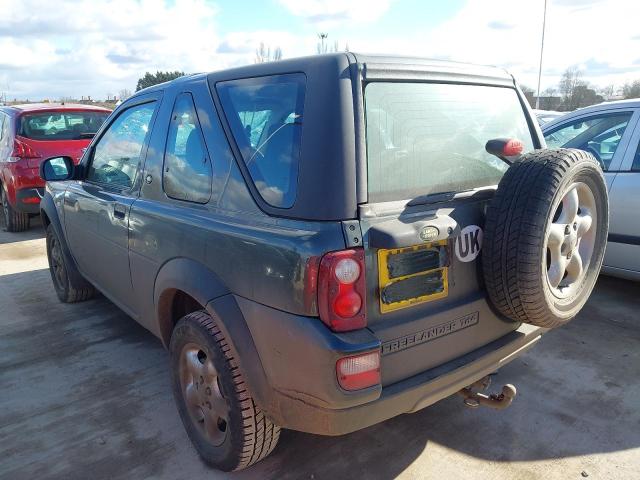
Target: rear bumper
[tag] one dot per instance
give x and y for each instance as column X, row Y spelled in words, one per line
column 298, row 357
column 28, row 200
column 22, row 182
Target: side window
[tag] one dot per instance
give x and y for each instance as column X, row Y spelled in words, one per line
column 635, row 166
column 117, row 154
column 5, row 121
column 187, row 169
column 265, row 115
column 598, row 135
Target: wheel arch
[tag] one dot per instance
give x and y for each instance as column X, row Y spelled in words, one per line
column 49, row 216
column 183, row 286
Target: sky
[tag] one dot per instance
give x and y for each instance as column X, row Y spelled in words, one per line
column 74, row 48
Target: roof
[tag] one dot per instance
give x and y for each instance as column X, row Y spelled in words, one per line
column 421, row 66
column 614, row 105
column 43, row 107
column 372, row 66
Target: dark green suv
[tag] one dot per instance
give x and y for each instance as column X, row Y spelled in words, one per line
column 324, row 243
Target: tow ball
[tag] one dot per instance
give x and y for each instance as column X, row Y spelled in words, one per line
column 473, row 398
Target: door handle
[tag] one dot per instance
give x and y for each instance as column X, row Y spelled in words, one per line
column 119, row 211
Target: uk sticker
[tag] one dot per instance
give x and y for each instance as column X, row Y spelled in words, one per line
column 469, row 243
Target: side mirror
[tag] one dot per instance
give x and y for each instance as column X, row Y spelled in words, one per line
column 56, row 169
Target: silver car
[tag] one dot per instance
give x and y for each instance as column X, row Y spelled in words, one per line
column 611, row 132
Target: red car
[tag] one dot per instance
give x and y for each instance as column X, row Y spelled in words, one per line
column 30, row 133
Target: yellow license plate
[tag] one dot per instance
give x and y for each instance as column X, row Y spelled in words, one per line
column 412, row 275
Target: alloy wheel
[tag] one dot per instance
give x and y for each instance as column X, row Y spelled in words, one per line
column 570, row 239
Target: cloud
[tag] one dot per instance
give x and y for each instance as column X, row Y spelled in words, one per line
column 479, row 34
column 331, row 13
column 95, row 47
column 500, row 25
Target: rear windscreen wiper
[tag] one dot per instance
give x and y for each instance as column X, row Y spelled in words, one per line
column 432, row 198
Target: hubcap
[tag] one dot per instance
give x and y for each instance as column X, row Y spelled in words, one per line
column 208, row 408
column 570, row 239
column 57, row 263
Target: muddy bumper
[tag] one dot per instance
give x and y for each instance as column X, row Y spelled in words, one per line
column 412, row 394
column 299, row 391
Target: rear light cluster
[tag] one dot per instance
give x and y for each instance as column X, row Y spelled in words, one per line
column 342, row 305
column 359, row 371
column 341, row 290
column 22, row 151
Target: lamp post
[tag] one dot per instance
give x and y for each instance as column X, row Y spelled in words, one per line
column 544, row 21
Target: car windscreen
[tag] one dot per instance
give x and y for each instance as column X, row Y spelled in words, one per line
column 426, row 138
column 61, row 125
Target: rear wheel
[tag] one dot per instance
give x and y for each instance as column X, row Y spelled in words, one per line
column 545, row 236
column 13, row 221
column 59, row 269
column 227, row 428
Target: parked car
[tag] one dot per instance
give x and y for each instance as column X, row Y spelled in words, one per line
column 611, row 132
column 305, row 236
column 546, row 116
column 30, row 133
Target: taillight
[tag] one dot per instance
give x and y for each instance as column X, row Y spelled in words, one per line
column 359, row 371
column 22, row 151
column 341, row 290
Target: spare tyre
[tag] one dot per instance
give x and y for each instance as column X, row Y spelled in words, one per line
column 545, row 236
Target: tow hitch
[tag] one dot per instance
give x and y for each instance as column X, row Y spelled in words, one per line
column 473, row 398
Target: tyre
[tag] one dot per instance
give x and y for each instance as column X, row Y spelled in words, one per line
column 545, row 237
column 59, row 268
column 13, row 221
column 226, row 427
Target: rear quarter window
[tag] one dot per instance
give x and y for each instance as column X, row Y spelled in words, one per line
column 265, row 115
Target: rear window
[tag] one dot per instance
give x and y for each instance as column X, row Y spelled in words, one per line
column 61, row 125
column 265, row 116
column 425, row 138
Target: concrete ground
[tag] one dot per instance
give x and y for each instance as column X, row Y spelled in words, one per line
column 84, row 393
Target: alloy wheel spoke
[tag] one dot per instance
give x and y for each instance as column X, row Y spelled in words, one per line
column 556, row 234
column 574, row 266
column 557, row 268
column 570, row 205
column 584, row 224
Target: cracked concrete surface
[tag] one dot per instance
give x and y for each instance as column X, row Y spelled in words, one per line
column 84, row 393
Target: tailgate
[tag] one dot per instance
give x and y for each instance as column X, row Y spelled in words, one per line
column 425, row 298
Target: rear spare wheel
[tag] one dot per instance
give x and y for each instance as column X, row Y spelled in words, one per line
column 545, row 236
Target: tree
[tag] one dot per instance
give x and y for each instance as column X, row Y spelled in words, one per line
column 631, row 90
column 571, row 79
column 549, row 99
column 575, row 91
column 607, row 92
column 264, row 54
column 124, row 94
column 322, row 47
column 150, row 79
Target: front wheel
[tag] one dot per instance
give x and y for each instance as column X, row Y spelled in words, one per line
column 59, row 268
column 227, row 428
